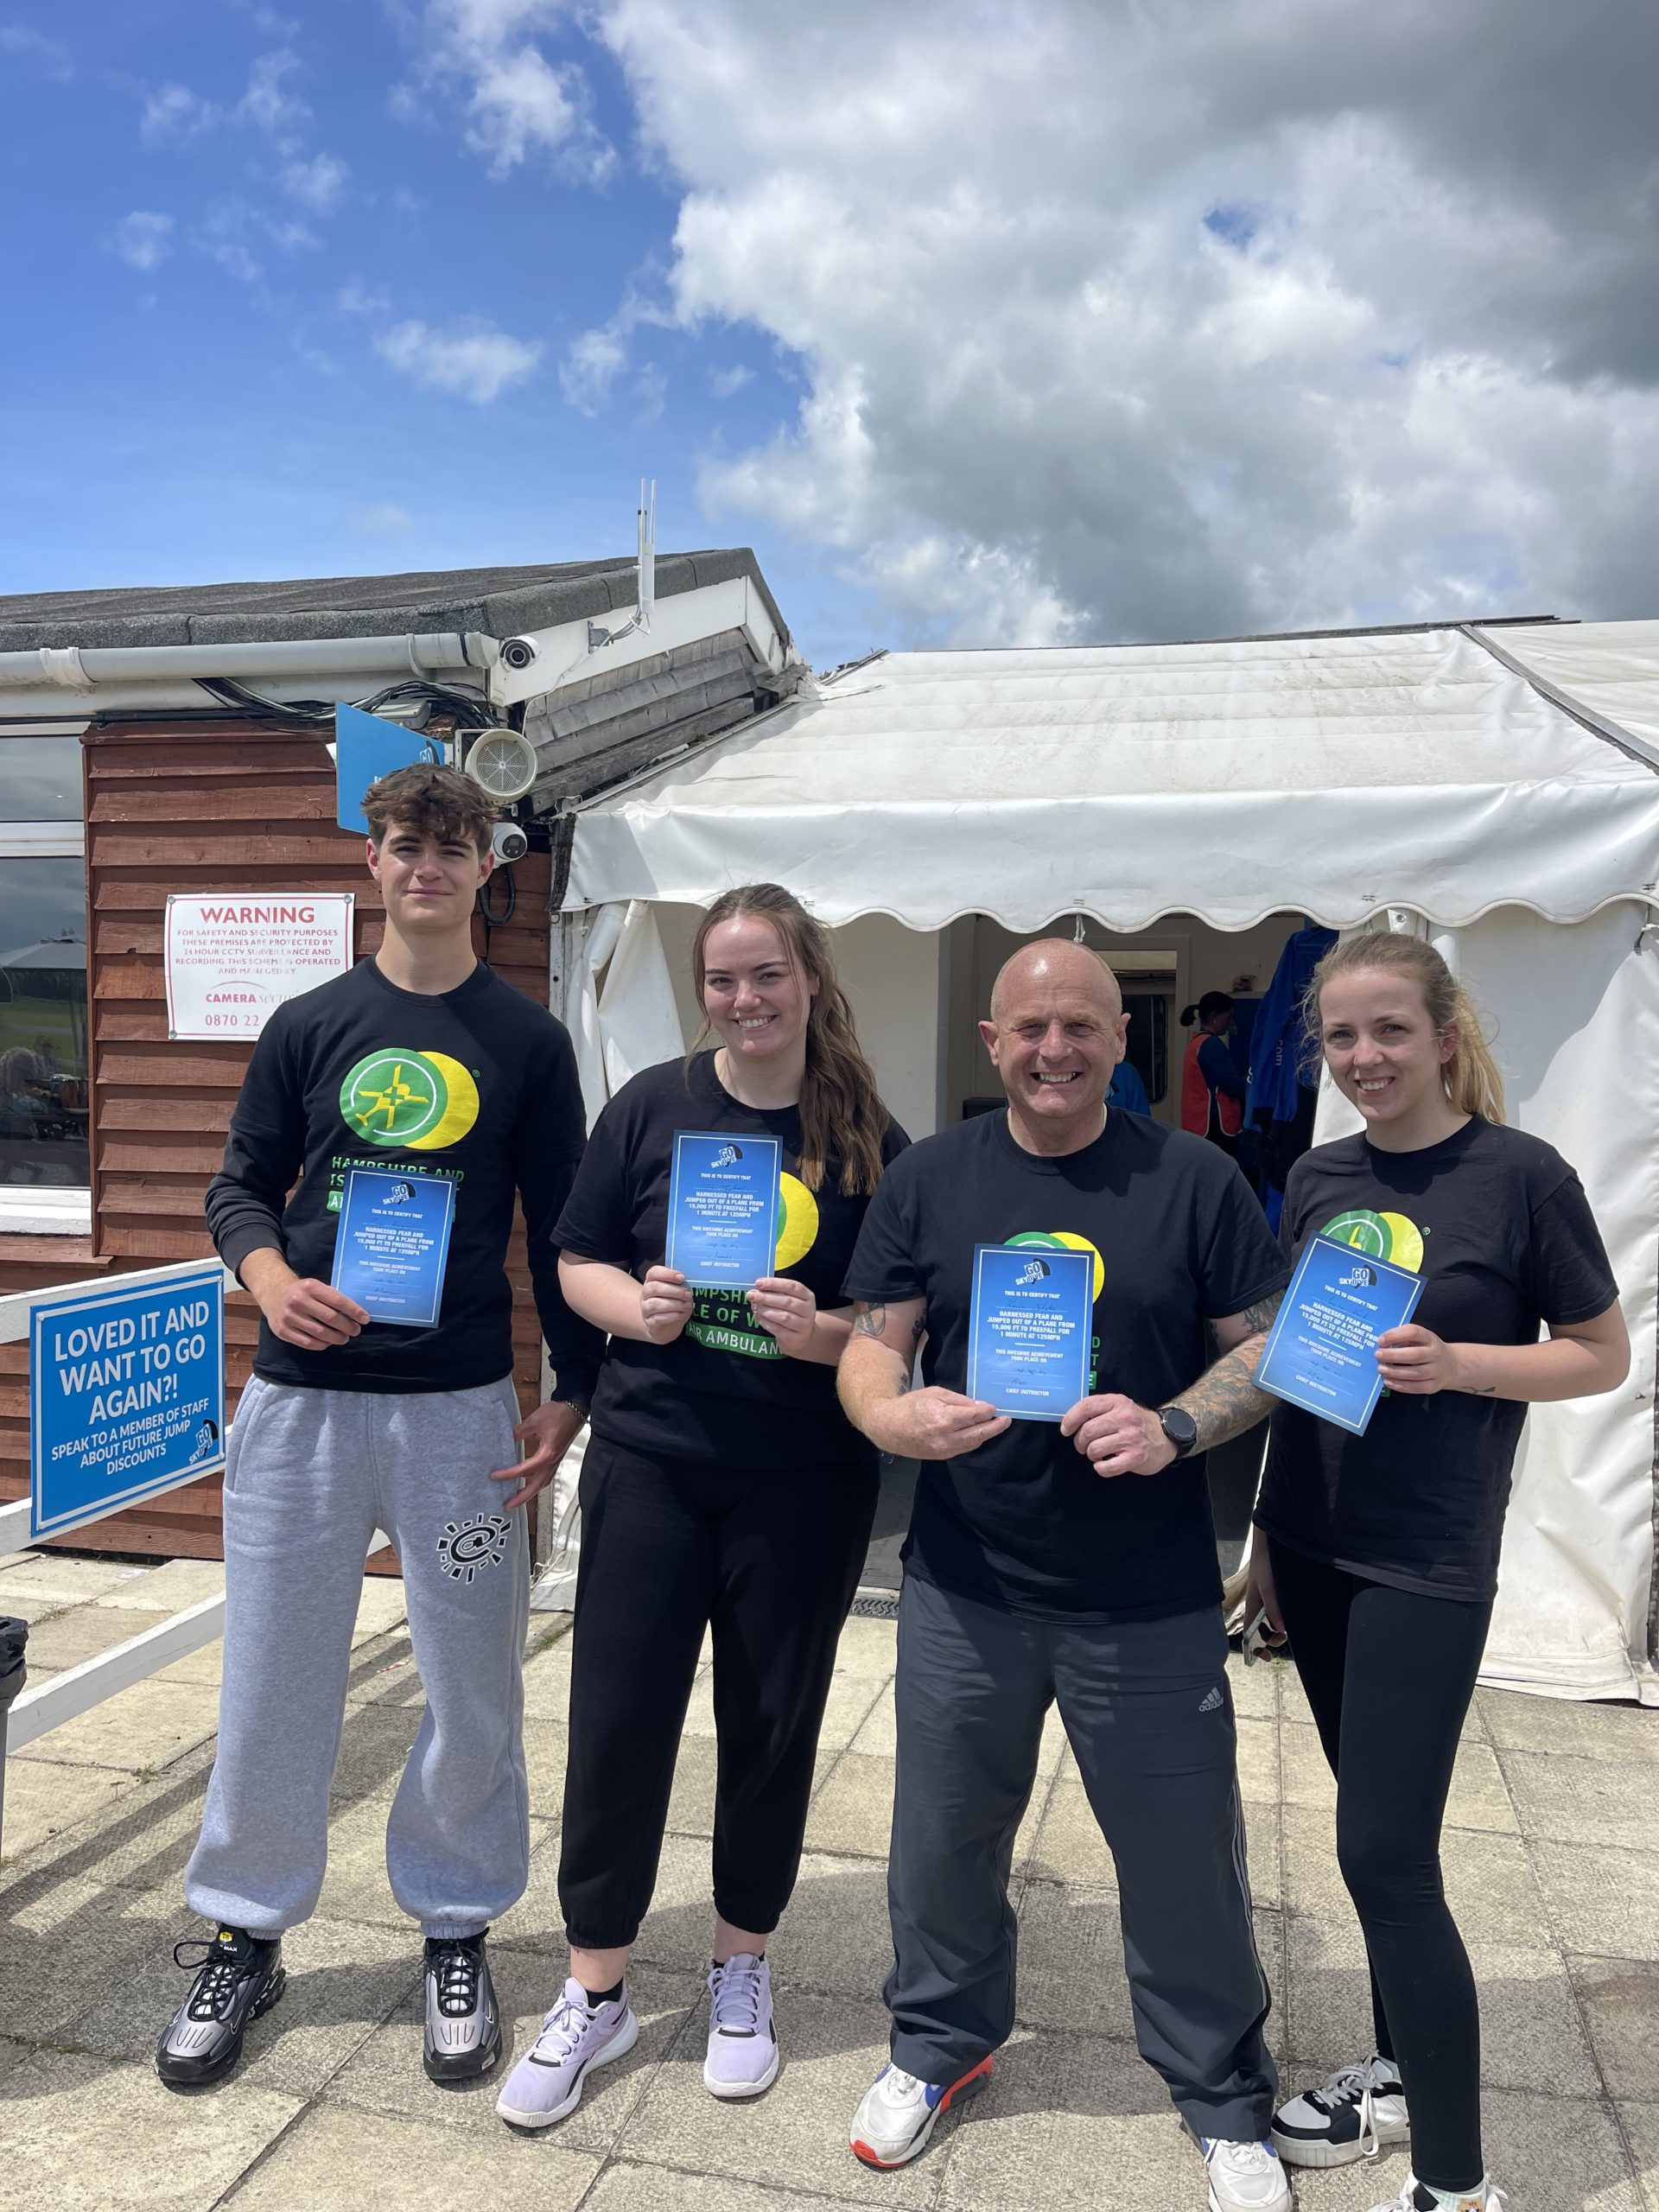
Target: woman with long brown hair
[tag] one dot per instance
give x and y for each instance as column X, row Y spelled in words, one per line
column 723, row 1489
column 1377, row 1555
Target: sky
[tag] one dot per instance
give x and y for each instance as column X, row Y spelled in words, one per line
column 984, row 324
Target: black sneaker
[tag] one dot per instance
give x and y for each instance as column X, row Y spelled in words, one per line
column 463, row 2027
column 238, row 1977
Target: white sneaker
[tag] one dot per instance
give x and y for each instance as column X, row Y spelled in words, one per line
column 899, row 2112
column 547, row 2082
column 1417, row 2196
column 1358, row 2112
column 1244, row 2176
column 743, row 2055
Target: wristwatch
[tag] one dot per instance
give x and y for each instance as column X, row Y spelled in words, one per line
column 1179, row 1428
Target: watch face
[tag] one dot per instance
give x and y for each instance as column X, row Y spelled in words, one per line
column 1179, row 1428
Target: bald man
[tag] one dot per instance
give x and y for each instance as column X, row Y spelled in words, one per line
column 1071, row 1563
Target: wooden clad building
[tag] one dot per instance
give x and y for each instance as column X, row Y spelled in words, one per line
column 203, row 727
column 239, row 805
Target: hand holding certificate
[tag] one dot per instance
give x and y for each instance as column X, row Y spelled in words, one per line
column 1321, row 1352
column 1029, row 1330
column 392, row 1244
column 723, row 1209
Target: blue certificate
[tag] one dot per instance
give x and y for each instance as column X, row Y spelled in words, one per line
column 392, row 1244
column 1029, row 1330
column 1321, row 1350
column 723, row 1209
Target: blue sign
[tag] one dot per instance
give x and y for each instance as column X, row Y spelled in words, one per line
column 723, row 1209
column 366, row 748
column 1321, row 1352
column 126, row 1396
column 1029, row 1330
column 392, row 1245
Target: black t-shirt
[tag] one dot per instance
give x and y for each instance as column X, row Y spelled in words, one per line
column 722, row 1390
column 1024, row 1523
column 477, row 1084
column 1498, row 1225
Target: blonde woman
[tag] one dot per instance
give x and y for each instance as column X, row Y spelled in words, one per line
column 723, row 1489
column 1378, row 1553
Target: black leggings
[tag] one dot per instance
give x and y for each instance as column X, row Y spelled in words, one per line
column 769, row 1561
column 1402, row 1669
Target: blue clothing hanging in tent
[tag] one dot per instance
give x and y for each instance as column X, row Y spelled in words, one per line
column 1128, row 1091
column 1279, row 1041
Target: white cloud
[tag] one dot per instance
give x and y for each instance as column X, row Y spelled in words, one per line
column 726, row 383
column 47, row 55
column 356, row 298
column 174, row 112
column 1224, row 315
column 518, row 103
column 318, row 182
column 234, row 259
column 235, row 234
column 143, row 238
column 471, row 358
column 383, row 519
column 270, row 104
column 595, row 358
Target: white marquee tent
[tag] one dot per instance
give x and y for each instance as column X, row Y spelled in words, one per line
column 1496, row 788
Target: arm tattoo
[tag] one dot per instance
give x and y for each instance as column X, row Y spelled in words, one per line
column 1224, row 1400
column 871, row 1321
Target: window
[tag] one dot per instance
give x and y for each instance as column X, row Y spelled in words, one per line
column 39, row 778
column 44, row 1159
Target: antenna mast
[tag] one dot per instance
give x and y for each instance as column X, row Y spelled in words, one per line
column 645, row 584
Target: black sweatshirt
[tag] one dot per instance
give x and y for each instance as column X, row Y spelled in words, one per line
column 478, row 1085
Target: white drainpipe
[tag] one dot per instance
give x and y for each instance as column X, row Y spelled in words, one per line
column 85, row 669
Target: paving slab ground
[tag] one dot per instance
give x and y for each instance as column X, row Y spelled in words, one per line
column 1552, row 1858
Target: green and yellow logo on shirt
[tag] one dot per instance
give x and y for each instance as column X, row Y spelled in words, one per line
column 1389, row 1237
column 419, row 1102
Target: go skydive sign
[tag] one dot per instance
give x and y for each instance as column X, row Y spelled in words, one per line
column 126, row 1395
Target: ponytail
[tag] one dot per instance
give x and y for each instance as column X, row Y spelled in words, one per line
column 1472, row 1079
column 842, row 1117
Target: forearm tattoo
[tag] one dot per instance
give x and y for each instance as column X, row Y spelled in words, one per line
column 1224, row 1400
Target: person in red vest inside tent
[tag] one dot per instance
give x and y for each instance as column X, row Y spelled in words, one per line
column 1212, row 1089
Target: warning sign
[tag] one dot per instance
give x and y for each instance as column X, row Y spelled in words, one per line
column 232, row 961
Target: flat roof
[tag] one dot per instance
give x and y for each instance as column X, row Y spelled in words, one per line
column 500, row 602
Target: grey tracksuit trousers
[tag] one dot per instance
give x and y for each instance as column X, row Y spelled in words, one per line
column 1149, row 1716
column 309, row 1475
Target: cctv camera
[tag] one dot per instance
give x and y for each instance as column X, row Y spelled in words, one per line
column 508, row 842
column 518, row 652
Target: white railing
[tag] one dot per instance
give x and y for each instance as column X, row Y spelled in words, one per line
column 79, row 1688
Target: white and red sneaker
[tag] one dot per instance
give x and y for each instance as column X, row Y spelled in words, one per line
column 898, row 2112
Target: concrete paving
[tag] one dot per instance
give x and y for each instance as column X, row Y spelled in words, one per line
column 1552, row 1859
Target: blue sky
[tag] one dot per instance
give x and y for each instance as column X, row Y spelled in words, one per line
column 215, row 398
column 984, row 322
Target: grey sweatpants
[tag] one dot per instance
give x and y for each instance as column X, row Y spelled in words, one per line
column 1149, row 1716
column 309, row 1474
